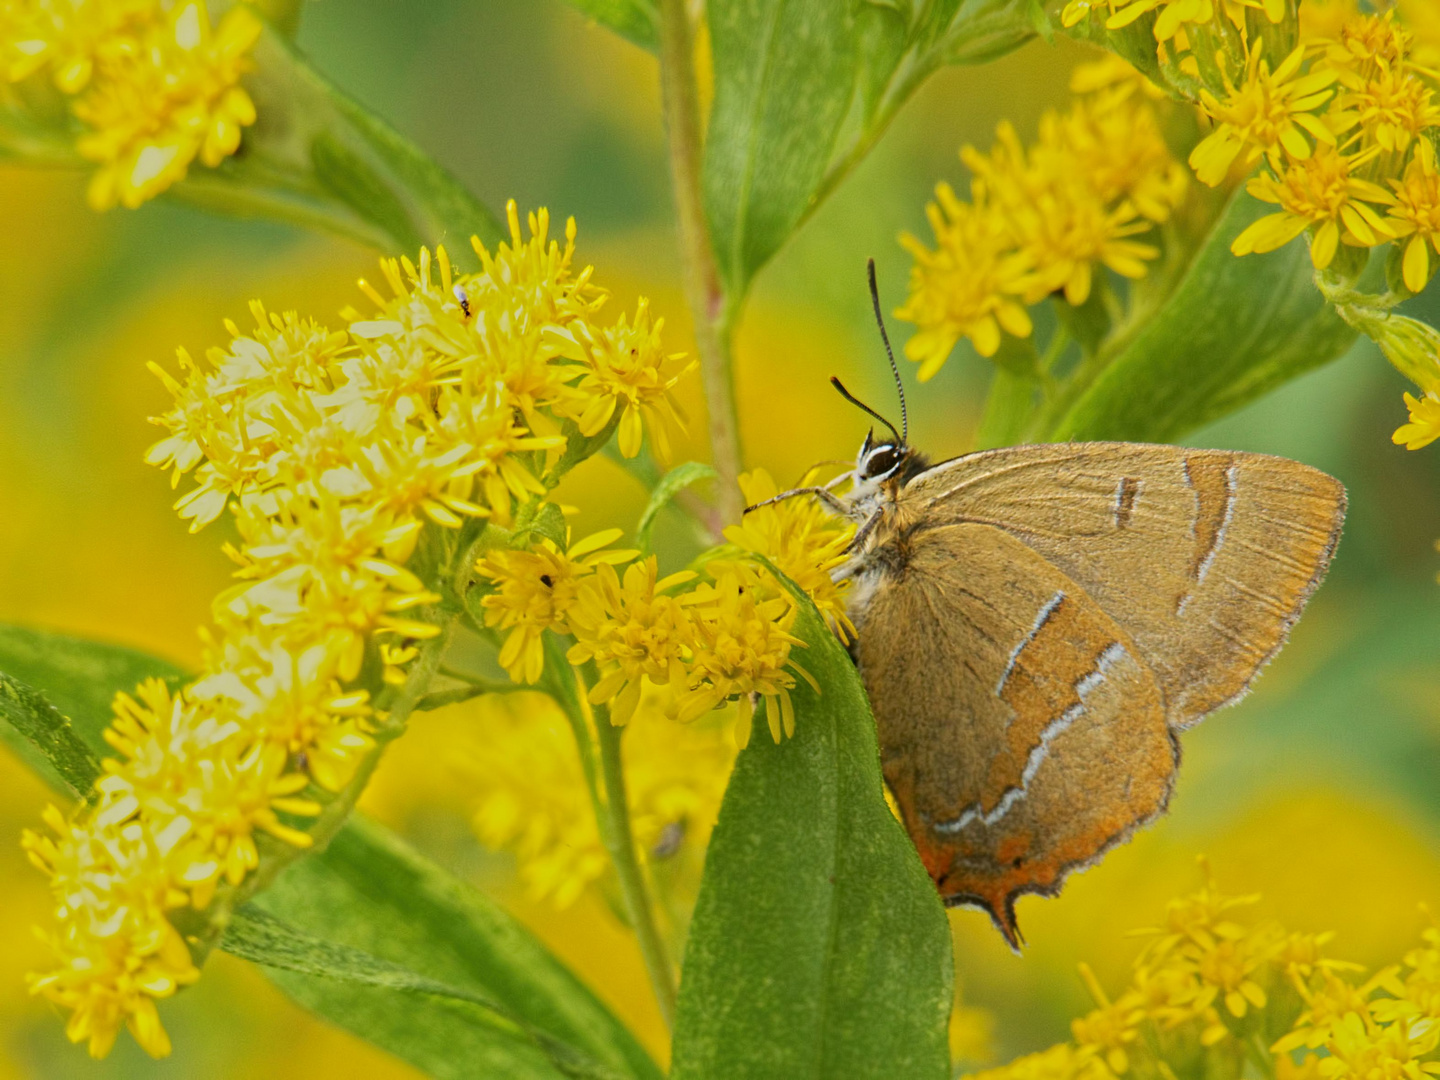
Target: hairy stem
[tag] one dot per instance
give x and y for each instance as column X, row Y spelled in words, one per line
column 621, row 842
column 711, row 310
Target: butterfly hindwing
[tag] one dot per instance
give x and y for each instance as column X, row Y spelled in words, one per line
column 986, row 665
column 1206, row 557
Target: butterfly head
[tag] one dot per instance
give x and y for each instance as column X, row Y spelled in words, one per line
column 879, row 461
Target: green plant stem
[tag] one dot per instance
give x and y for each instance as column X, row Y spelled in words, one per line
column 1260, row 1054
column 561, row 684
column 621, row 842
column 713, row 312
column 612, row 811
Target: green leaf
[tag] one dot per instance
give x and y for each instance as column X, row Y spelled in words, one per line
column 80, row 677
column 819, row 946
column 804, row 88
column 670, row 485
column 1234, row 328
column 637, row 21
column 55, row 693
column 539, row 519
column 578, row 447
column 54, row 748
column 785, row 72
column 369, row 892
column 264, row 939
column 1007, row 408
column 347, row 176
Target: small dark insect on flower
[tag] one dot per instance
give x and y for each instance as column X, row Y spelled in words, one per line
column 670, row 839
column 302, row 762
column 463, row 297
column 546, row 581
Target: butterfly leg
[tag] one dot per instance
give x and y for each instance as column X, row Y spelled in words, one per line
column 829, row 498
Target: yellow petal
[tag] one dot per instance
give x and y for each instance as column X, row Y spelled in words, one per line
column 1417, row 265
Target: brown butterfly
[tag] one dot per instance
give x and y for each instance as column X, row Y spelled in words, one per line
column 1038, row 622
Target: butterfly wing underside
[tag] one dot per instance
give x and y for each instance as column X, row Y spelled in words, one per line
column 987, row 666
column 1205, row 557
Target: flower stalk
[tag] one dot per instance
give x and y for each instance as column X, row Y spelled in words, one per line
column 713, row 312
column 619, row 839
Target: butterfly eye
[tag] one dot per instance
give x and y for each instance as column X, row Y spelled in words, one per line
column 882, row 461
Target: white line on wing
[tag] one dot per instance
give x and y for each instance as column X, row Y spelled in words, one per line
column 1111, row 656
column 1039, row 624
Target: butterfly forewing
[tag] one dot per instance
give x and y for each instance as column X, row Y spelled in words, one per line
column 987, row 666
column 1205, row 557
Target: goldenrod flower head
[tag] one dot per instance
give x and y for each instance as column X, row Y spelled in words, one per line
column 1040, row 219
column 1065, row 232
column 1379, row 1030
column 1266, row 113
column 625, row 367
column 740, row 648
column 296, row 702
column 1108, row 1030
column 1319, row 191
column 1326, row 1006
column 534, row 278
column 1416, row 214
column 115, row 950
column 1366, row 44
column 803, row 540
column 1424, row 425
column 69, row 37
column 1392, row 106
column 533, row 800
column 1322, row 21
column 535, row 590
column 176, row 98
column 1113, row 139
column 968, row 286
column 633, row 630
column 1372, row 1052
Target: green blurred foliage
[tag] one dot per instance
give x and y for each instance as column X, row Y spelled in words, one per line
column 1317, row 790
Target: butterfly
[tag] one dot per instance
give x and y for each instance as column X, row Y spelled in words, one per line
column 1038, row 623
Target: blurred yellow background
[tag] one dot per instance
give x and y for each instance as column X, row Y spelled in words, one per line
column 1318, row 791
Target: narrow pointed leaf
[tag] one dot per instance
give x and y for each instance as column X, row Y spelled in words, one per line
column 638, row 21
column 819, row 947
column 44, row 739
column 803, row 90
column 368, row 891
column 670, row 485
column 266, row 940
column 55, row 695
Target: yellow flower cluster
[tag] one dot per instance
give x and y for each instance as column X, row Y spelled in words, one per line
column 533, row 799
column 1042, row 220
column 336, row 452
column 673, row 648
column 1216, row 996
column 1184, row 30
column 153, row 83
column 1343, row 129
column 727, row 637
